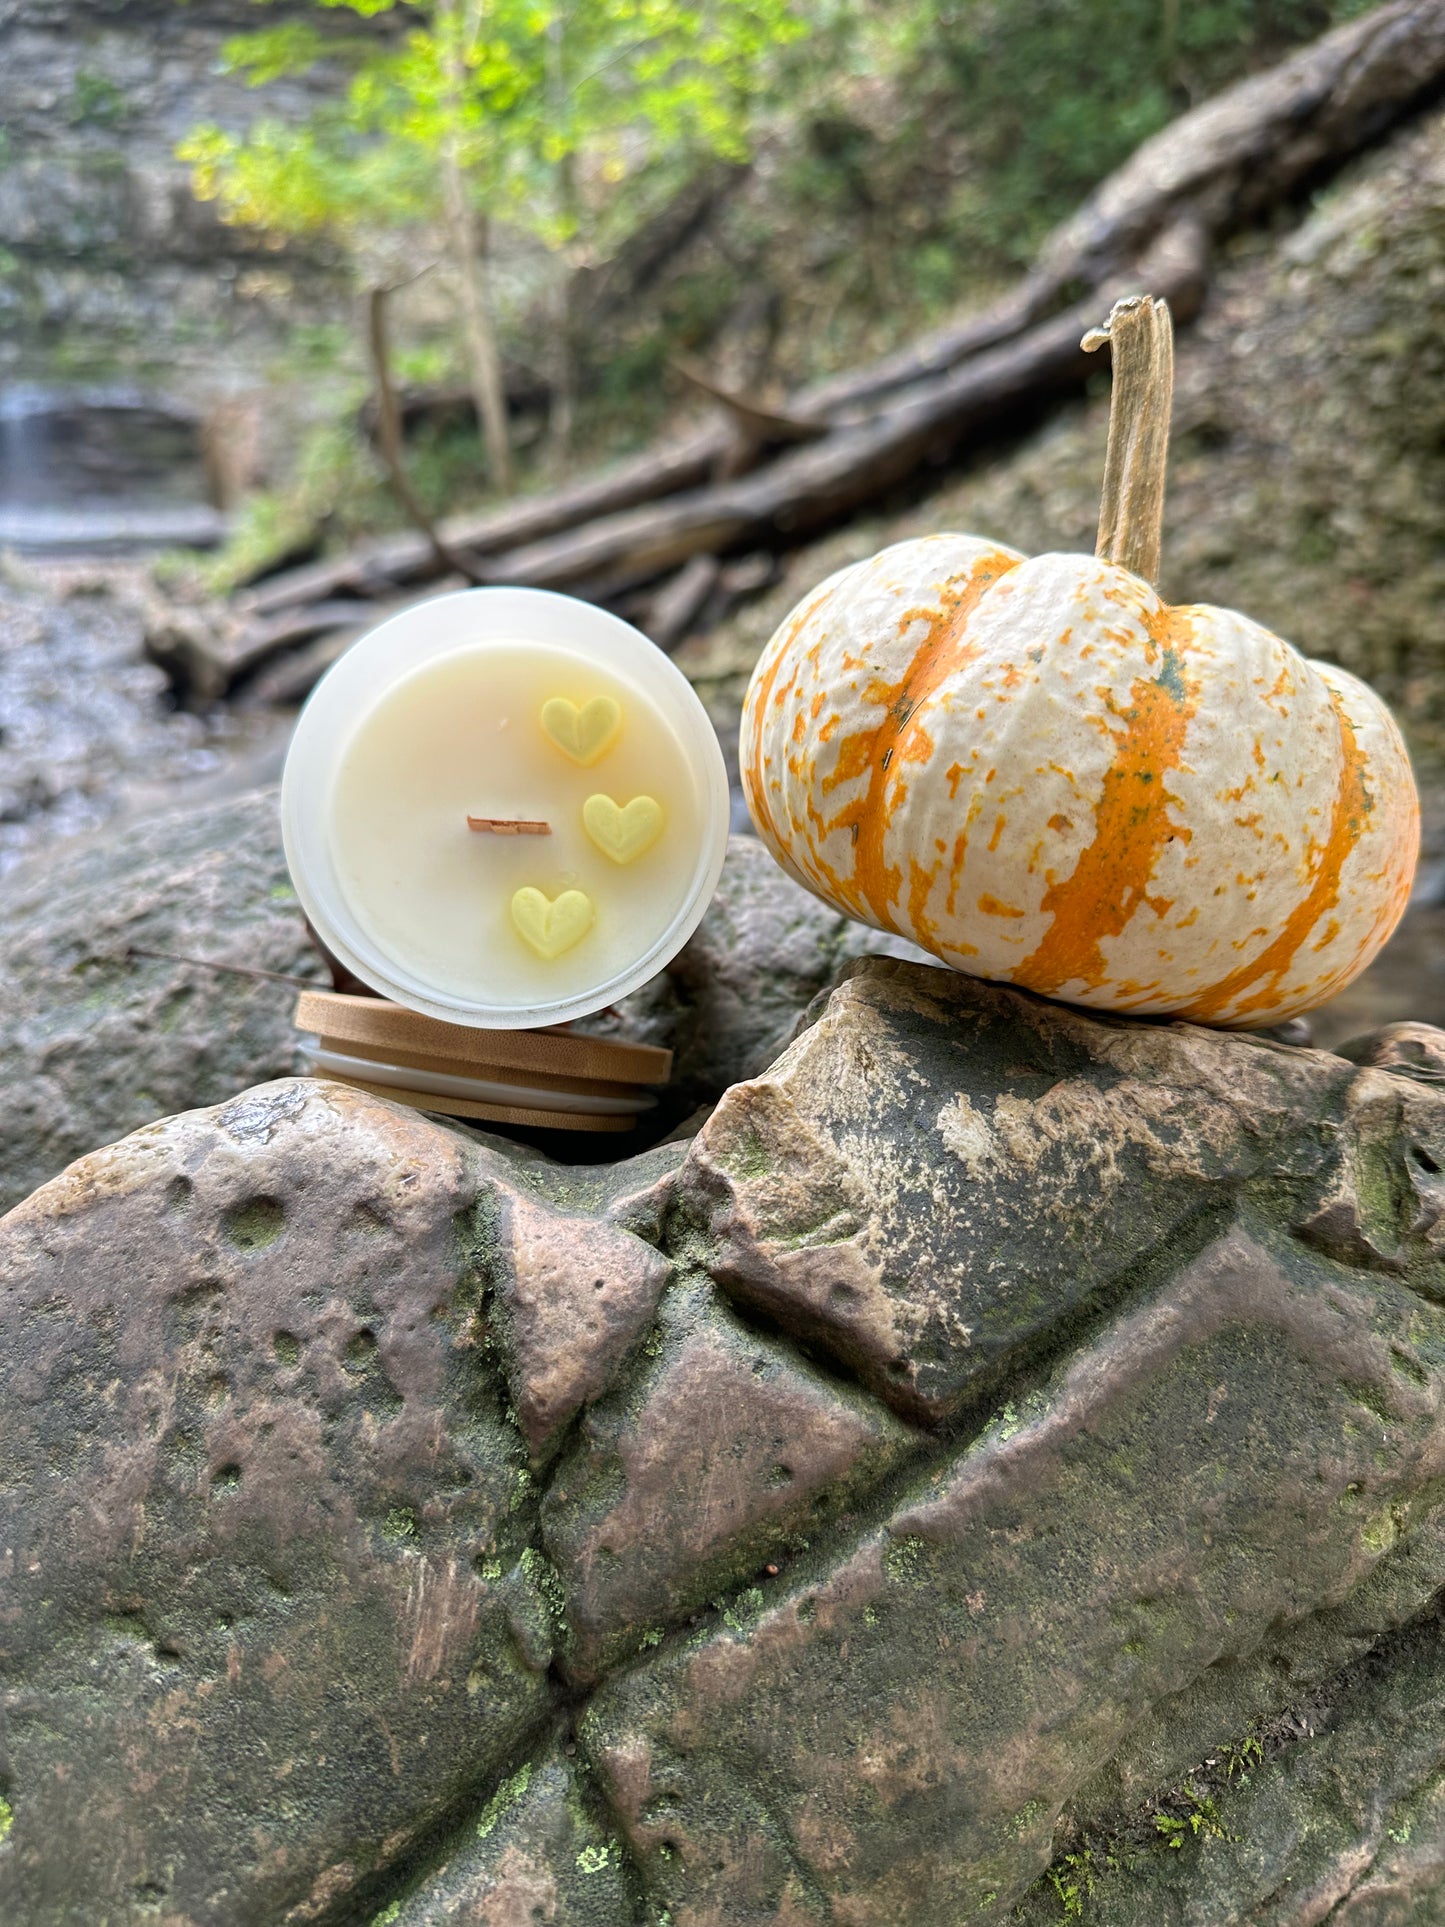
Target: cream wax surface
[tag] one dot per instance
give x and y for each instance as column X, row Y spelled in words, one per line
column 463, row 736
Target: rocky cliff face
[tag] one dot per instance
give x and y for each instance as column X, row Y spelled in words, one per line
column 999, row 1458
column 109, row 261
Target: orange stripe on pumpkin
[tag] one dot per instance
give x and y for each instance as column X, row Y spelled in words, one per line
column 1131, row 824
column 1347, row 823
column 869, row 753
column 920, row 886
column 755, row 768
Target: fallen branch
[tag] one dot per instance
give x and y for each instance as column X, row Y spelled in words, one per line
column 808, row 488
column 762, row 425
column 220, row 662
column 680, row 601
column 380, row 566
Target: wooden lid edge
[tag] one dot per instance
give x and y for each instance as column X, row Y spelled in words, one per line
column 486, row 1113
column 377, row 1022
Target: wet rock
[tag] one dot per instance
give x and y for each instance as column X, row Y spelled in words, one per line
column 94, row 1044
column 936, row 1173
column 536, row 1853
column 722, row 1457
column 85, row 733
column 1102, row 1506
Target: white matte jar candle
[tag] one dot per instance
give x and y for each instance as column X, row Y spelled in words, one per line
column 504, row 808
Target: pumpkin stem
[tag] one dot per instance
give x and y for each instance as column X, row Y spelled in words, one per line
column 1140, row 335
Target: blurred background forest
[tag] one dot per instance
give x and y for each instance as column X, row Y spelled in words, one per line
column 570, row 200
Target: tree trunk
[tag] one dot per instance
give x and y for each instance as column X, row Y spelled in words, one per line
column 564, row 362
column 484, row 363
column 468, row 252
column 565, row 181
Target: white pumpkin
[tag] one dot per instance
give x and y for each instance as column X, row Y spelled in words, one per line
column 1045, row 776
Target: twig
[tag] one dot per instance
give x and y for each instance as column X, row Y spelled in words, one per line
column 388, row 432
column 764, row 426
column 134, row 950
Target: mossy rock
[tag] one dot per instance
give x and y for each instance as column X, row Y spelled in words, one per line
column 998, row 1464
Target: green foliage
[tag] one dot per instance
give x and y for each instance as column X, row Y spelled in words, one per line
column 96, row 101
column 316, row 347
column 399, row 1524
column 1200, row 1817
column 563, row 118
column 324, row 177
column 1074, row 1877
column 598, row 1859
column 914, row 152
column 558, row 111
column 924, row 147
column 1014, row 109
column 1172, row 1828
column 426, row 364
column 1240, row 1757
column 336, row 485
column 743, row 1610
column 542, row 1575
column 1073, row 88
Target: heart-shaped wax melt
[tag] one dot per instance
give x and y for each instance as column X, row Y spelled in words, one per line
column 623, row 833
column 552, row 925
column 583, row 734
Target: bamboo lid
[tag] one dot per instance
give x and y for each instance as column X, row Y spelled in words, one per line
column 551, row 1079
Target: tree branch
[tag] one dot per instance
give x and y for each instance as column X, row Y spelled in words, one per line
column 389, row 438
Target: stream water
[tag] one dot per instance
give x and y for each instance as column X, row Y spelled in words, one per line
column 87, row 730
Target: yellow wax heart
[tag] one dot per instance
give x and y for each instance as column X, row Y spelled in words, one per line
column 623, row 833
column 583, row 734
column 552, row 925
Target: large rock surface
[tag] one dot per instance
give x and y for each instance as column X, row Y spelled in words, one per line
column 93, row 1044
column 997, row 1468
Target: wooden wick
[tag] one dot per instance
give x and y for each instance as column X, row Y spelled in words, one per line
column 1140, row 335
column 509, row 825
